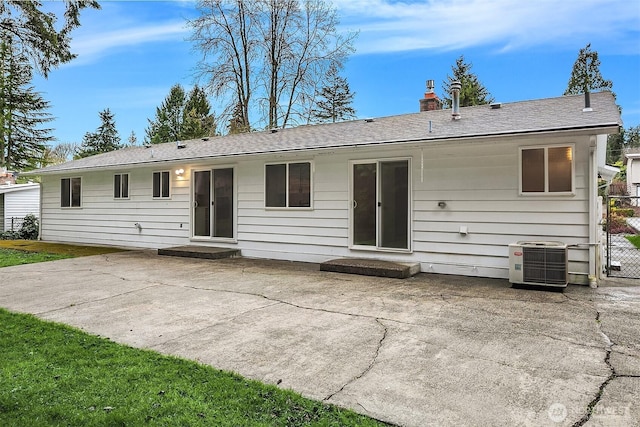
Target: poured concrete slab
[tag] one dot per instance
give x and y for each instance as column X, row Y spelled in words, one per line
column 428, row 350
column 371, row 267
column 203, row 252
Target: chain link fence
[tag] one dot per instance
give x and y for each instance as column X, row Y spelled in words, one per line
column 623, row 236
column 16, row 224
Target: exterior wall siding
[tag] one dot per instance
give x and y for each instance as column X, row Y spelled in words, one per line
column 18, row 204
column 478, row 181
column 104, row 220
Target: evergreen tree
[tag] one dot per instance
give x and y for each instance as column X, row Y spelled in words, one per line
column 585, row 75
column 23, row 111
column 335, row 99
column 472, row 93
column 35, row 34
column 168, row 121
column 103, row 140
column 181, row 116
column 133, row 139
column 617, row 144
column 198, row 121
column 237, row 124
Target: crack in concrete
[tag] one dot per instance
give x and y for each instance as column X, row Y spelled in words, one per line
column 229, row 319
column 612, row 375
column 301, row 307
column 365, row 316
column 97, row 299
column 368, row 368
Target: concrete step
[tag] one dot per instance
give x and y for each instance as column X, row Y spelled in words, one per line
column 371, row 267
column 204, row 252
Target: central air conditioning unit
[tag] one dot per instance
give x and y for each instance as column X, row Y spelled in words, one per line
column 538, row 263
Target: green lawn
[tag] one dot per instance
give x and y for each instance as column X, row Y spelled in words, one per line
column 635, row 240
column 16, row 252
column 9, row 257
column 51, row 374
column 56, row 248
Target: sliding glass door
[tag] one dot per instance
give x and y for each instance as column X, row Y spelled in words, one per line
column 213, row 204
column 380, row 205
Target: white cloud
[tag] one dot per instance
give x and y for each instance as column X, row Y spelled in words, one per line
column 392, row 26
column 89, row 46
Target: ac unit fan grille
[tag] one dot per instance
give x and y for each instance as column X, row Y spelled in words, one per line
column 545, row 265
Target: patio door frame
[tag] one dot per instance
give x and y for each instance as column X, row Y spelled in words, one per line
column 379, row 223
column 212, row 206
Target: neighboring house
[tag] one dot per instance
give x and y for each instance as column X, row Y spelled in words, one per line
column 633, row 173
column 423, row 187
column 16, row 202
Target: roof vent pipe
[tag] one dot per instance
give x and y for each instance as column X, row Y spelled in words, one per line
column 587, row 101
column 455, row 99
column 430, row 85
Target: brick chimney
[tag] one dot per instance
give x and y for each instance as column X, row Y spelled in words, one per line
column 430, row 101
column 7, row 178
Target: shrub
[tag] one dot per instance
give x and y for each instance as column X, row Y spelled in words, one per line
column 618, row 225
column 626, row 212
column 30, row 227
column 9, row 235
column 618, row 188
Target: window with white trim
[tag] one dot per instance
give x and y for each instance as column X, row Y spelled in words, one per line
column 547, row 170
column 70, row 192
column 121, row 186
column 161, row 185
column 288, row 185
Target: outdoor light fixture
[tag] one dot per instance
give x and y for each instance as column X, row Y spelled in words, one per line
column 179, row 172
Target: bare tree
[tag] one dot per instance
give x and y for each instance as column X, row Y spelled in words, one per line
column 270, row 54
column 60, row 153
column 225, row 35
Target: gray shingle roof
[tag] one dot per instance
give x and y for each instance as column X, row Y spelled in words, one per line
column 543, row 115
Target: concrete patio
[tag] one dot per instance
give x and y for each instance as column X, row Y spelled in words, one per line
column 427, row 350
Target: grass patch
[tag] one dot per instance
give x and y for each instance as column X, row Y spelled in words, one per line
column 51, row 374
column 9, row 257
column 56, row 248
column 635, row 240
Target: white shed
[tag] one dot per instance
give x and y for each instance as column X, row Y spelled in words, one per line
column 16, row 202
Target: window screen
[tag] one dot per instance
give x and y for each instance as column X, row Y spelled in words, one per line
column 288, row 185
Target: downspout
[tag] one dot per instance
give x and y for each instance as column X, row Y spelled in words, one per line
column 594, row 249
column 40, row 212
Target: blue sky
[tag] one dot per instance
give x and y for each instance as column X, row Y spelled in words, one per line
column 130, row 53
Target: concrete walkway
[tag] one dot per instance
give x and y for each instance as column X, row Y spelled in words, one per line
column 429, row 350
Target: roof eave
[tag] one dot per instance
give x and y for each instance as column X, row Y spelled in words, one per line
column 606, row 128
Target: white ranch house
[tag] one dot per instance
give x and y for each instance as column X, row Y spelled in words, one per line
column 448, row 194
